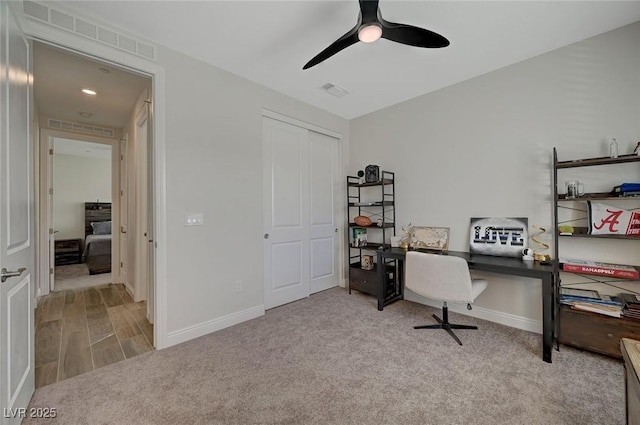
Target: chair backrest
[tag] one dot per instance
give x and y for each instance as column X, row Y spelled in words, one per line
column 439, row 277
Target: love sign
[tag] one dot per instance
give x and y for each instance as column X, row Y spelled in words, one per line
column 500, row 236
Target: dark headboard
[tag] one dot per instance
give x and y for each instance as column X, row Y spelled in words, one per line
column 95, row 211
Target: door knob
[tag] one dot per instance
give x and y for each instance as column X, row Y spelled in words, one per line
column 266, row 236
column 4, row 273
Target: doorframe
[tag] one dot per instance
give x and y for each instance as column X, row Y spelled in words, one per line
column 44, row 263
column 93, row 50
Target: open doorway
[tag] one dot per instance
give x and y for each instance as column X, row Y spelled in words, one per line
column 94, row 307
column 81, row 217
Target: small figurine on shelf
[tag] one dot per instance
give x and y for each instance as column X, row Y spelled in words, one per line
column 406, row 241
column 637, row 149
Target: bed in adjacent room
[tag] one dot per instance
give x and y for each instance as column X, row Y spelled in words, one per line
column 97, row 243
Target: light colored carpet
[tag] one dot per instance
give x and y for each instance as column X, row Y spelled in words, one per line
column 334, row 359
column 75, row 276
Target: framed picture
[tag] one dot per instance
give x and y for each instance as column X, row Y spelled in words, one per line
column 426, row 237
column 367, row 262
column 499, row 236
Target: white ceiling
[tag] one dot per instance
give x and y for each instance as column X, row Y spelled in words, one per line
column 59, row 76
column 269, row 41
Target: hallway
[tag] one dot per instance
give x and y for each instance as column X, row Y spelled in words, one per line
column 79, row 330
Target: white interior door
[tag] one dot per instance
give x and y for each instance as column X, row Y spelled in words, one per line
column 300, row 245
column 151, row 219
column 123, row 263
column 142, row 224
column 286, row 213
column 16, row 222
column 49, row 221
column 323, row 229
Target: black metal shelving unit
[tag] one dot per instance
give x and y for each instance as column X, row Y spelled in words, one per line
column 375, row 200
column 577, row 328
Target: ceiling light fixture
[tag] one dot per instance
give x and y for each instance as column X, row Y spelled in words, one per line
column 89, row 92
column 104, row 70
column 369, row 33
column 85, row 114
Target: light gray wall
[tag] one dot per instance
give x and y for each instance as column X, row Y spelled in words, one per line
column 211, row 142
column 77, row 179
column 483, row 147
column 214, row 166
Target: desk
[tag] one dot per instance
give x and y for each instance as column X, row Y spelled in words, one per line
column 503, row 265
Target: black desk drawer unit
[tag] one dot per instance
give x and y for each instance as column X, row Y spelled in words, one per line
column 68, row 251
column 368, row 281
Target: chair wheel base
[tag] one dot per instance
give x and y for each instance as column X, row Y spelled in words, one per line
column 444, row 324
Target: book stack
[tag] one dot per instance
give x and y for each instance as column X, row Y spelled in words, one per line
column 588, row 300
column 630, row 305
column 627, row 189
column 621, row 271
column 359, row 237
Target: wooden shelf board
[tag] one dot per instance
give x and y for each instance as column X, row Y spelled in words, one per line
column 586, row 162
column 595, row 196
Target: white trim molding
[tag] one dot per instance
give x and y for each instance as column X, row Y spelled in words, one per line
column 66, row 20
column 298, row 123
column 219, row 323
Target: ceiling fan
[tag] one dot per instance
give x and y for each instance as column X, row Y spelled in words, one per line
column 371, row 27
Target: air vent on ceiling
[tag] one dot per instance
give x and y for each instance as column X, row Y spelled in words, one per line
column 334, row 90
column 83, row 27
column 80, row 128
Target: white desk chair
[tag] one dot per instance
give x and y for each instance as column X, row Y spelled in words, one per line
column 445, row 278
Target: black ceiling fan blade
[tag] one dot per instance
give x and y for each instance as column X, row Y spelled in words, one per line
column 342, row 43
column 412, row 36
column 369, row 11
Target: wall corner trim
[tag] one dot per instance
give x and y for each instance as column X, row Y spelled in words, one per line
column 204, row 328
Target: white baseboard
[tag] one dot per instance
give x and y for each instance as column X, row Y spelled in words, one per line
column 129, row 288
column 506, row 319
column 314, row 289
column 214, row 325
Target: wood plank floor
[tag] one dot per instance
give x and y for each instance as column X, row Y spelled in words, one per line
column 78, row 330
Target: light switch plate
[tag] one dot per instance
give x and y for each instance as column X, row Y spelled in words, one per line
column 193, row 219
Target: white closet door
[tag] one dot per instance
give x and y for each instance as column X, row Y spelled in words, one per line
column 323, row 229
column 286, row 213
column 300, row 181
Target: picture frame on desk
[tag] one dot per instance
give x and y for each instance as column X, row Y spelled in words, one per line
column 431, row 238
